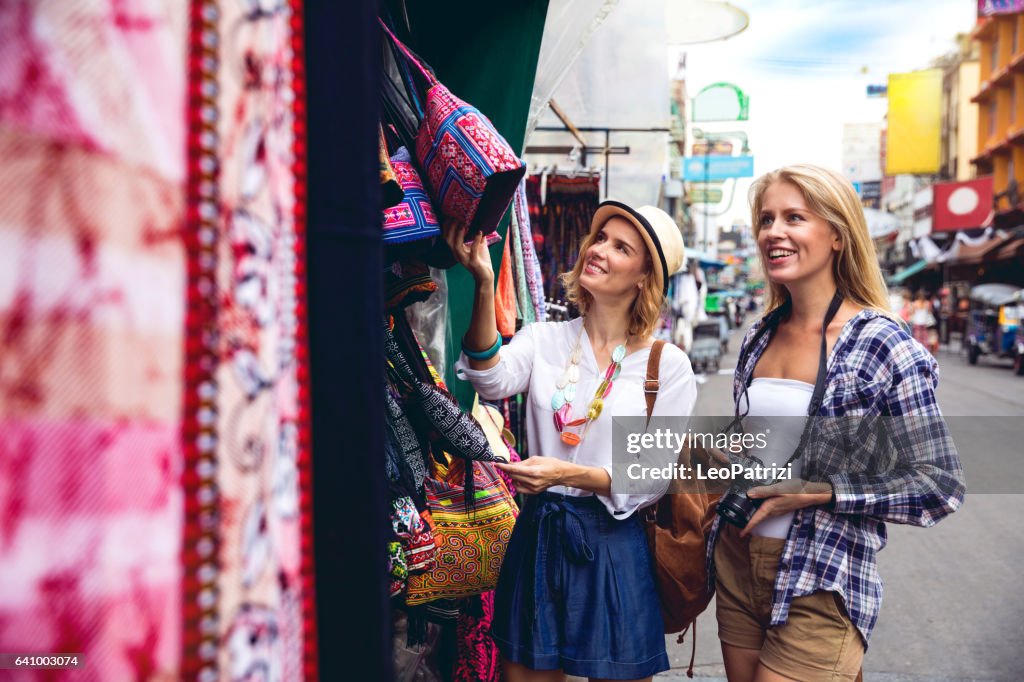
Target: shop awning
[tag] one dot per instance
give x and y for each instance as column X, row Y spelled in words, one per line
column 902, row 275
column 704, row 259
column 974, row 254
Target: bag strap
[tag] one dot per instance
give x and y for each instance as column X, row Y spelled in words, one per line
column 409, row 56
column 651, row 383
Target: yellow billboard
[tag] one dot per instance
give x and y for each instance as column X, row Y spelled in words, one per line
column 915, row 122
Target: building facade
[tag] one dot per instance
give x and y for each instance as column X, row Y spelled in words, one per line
column 1000, row 99
column 961, row 73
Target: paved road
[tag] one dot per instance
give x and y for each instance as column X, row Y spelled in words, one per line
column 954, row 594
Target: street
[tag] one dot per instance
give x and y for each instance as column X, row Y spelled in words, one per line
column 953, row 606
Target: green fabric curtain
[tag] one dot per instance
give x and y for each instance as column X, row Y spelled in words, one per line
column 486, row 53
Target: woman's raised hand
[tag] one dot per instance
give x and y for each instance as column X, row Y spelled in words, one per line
column 474, row 256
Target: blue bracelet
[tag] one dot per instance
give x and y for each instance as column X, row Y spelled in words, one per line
column 483, row 354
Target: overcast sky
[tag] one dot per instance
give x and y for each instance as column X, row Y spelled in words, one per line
column 806, row 64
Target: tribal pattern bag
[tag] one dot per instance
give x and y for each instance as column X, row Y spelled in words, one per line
column 471, row 171
column 473, row 535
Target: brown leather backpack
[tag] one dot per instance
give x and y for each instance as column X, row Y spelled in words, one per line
column 677, row 528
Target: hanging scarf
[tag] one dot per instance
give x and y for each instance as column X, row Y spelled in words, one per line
column 530, row 265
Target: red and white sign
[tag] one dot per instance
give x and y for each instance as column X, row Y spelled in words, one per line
column 962, row 205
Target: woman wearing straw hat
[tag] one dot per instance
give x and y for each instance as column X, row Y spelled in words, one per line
column 576, row 593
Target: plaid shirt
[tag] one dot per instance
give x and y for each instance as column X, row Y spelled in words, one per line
column 876, row 370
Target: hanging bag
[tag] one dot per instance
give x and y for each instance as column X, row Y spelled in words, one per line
column 471, row 535
column 470, row 170
column 412, row 218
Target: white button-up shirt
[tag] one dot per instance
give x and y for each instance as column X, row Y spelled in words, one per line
column 534, row 360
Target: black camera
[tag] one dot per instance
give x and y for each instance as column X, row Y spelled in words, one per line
column 735, row 507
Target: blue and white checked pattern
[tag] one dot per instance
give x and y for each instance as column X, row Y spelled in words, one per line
column 875, row 370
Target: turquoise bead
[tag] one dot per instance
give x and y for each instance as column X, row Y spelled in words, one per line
column 618, row 353
column 557, row 400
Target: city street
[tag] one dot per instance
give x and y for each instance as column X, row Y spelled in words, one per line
column 953, row 608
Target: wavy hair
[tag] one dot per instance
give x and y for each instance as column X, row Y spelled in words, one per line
column 645, row 313
column 831, row 197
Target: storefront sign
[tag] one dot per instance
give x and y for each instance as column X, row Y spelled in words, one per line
column 987, row 8
column 716, row 167
column 700, row 195
column 870, row 194
column 722, row 147
column 915, row 123
column 962, row 205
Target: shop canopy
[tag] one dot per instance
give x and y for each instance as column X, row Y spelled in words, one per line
column 908, row 272
column 704, row 259
column 994, row 295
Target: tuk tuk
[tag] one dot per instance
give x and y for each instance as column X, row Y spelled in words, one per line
column 992, row 322
column 706, row 349
column 1018, row 341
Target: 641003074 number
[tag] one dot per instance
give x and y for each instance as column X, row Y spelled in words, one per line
column 36, row 661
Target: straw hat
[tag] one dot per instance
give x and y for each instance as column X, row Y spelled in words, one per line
column 660, row 232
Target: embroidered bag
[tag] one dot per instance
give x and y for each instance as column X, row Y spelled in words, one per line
column 435, row 410
column 472, row 536
column 412, row 218
column 471, row 171
column 390, row 190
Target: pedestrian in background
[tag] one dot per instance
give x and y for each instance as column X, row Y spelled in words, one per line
column 798, row 590
column 922, row 319
column 576, row 594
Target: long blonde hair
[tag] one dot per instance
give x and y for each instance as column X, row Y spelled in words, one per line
column 830, row 196
column 645, row 314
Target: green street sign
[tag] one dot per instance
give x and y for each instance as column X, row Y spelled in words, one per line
column 720, row 102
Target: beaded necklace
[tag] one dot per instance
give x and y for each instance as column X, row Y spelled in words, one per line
column 565, row 393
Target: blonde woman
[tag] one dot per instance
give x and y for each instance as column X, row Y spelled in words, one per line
column 798, row 590
column 576, row 593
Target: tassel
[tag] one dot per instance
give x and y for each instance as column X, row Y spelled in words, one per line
column 416, row 632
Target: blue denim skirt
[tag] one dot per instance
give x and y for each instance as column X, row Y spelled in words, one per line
column 577, row 592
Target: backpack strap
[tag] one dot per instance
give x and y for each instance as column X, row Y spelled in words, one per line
column 652, row 384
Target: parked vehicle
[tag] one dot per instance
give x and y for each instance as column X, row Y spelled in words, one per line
column 1018, row 341
column 992, row 322
column 707, row 346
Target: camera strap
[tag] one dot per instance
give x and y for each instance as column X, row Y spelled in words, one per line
column 819, row 382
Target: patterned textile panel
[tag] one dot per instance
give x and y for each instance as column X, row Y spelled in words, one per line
column 154, row 437
column 92, row 272
column 249, row 327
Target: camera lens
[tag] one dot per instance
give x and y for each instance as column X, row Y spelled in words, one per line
column 736, row 508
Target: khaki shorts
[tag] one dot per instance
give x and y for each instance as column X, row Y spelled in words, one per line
column 817, row 642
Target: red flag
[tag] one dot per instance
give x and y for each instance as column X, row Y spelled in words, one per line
column 962, row 205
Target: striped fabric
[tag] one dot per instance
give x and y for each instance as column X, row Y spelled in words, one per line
column 875, row 370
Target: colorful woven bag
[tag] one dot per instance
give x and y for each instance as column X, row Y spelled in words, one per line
column 471, row 171
column 390, row 190
column 413, row 217
column 472, row 539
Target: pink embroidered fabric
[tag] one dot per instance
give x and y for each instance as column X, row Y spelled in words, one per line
column 92, row 270
column 153, row 387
